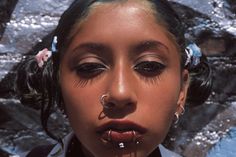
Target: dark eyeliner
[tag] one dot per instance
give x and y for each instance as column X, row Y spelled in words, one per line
column 89, row 70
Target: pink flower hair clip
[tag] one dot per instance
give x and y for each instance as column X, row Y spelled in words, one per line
column 43, row 57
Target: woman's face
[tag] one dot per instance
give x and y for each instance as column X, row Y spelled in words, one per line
column 122, row 51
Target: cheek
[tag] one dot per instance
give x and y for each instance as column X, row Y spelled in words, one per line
column 81, row 104
column 83, row 108
column 159, row 103
column 162, row 96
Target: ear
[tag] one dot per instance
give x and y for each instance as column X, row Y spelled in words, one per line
column 185, row 79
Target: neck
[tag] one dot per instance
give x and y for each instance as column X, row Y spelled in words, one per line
column 86, row 152
column 155, row 153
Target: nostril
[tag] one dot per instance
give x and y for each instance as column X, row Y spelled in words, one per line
column 111, row 102
column 110, row 105
column 130, row 104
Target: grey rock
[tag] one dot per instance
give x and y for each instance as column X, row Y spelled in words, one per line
column 26, row 26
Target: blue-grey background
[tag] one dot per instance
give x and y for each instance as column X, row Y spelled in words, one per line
column 205, row 130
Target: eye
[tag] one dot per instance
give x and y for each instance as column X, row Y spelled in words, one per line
column 90, row 70
column 149, row 68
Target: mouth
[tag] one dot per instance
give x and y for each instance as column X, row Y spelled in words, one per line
column 121, row 133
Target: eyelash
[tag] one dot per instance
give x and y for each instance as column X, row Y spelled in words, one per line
column 149, row 68
column 89, row 71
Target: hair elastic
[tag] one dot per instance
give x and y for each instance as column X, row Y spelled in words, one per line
column 194, row 54
column 43, row 57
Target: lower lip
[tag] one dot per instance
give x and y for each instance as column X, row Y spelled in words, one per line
column 119, row 136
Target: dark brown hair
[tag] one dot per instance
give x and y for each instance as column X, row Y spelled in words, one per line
column 40, row 85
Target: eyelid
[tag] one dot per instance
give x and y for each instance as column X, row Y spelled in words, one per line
column 150, row 57
column 92, row 59
column 88, row 58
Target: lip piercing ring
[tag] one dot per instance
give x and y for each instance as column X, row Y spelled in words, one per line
column 109, row 135
column 134, row 138
column 121, row 145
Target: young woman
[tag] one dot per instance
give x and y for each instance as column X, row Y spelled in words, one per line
column 121, row 71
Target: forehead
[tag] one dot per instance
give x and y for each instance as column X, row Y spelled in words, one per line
column 121, row 12
column 117, row 10
column 116, row 13
column 124, row 20
column 143, row 5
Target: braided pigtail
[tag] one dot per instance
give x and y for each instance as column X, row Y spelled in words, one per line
column 37, row 83
column 200, row 74
column 28, row 82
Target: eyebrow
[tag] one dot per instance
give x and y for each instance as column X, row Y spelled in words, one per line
column 102, row 49
column 93, row 47
column 150, row 45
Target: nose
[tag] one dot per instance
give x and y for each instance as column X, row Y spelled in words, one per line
column 121, row 89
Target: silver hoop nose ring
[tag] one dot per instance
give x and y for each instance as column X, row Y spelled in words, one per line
column 103, row 101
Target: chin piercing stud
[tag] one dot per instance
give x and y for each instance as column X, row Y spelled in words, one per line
column 121, row 145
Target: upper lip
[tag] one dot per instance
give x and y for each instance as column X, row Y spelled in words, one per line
column 121, row 125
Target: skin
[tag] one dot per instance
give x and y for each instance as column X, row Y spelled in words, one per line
column 149, row 99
